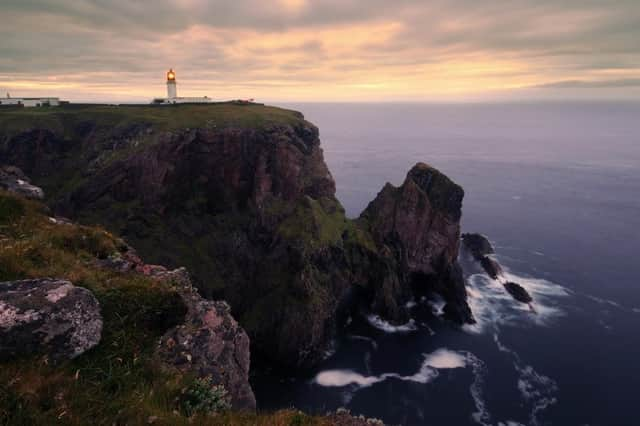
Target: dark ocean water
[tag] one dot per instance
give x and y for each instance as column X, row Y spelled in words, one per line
column 556, row 187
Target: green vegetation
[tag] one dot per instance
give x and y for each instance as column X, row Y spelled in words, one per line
column 322, row 223
column 67, row 119
column 119, row 381
column 203, row 397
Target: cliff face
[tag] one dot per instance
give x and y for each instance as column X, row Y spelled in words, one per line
column 418, row 224
column 241, row 196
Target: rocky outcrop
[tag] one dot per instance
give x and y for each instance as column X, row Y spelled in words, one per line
column 47, row 316
column 418, row 223
column 491, row 267
column 12, row 179
column 208, row 343
column 478, row 245
column 518, row 292
column 482, row 251
column 250, row 210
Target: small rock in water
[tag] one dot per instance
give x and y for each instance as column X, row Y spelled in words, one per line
column 478, row 245
column 518, row 292
column 491, row 267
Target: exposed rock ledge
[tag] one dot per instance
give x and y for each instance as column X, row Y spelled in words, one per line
column 209, row 343
column 13, row 180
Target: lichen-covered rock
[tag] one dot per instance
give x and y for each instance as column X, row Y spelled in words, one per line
column 209, row 343
column 419, row 224
column 13, row 180
column 47, row 316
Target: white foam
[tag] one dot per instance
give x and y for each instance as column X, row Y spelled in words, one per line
column 339, row 378
column 603, row 301
column 437, row 360
column 437, row 304
column 385, row 326
column 481, row 415
column 492, row 305
column 536, row 389
column 444, row 358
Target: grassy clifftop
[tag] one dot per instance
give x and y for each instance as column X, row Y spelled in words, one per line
column 67, row 119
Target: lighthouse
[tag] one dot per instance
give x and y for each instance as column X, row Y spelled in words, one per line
column 172, row 94
column 172, row 91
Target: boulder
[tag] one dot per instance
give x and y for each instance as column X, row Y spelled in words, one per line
column 209, row 343
column 13, row 180
column 47, row 316
column 478, row 245
column 518, row 292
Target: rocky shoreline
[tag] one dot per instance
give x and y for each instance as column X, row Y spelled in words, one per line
column 251, row 212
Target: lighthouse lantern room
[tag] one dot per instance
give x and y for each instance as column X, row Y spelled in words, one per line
column 172, row 91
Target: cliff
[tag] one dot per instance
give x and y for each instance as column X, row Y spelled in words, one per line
column 418, row 224
column 241, row 196
column 114, row 340
column 94, row 342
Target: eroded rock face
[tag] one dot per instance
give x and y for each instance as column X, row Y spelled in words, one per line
column 251, row 212
column 47, row 316
column 13, row 180
column 209, row 343
column 419, row 224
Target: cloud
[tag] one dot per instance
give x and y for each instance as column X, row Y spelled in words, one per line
column 317, row 49
column 573, row 84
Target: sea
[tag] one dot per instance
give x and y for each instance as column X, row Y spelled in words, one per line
column 555, row 187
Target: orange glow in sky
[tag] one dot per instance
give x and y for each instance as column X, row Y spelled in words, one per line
column 319, row 50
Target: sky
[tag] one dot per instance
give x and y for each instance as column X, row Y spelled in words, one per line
column 322, row 50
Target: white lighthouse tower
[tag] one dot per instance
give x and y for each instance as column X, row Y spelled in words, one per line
column 172, row 94
column 172, row 90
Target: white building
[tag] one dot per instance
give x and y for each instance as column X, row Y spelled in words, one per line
column 172, row 94
column 29, row 102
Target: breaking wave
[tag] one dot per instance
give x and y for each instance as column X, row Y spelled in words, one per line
column 439, row 360
column 493, row 306
column 387, row 327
